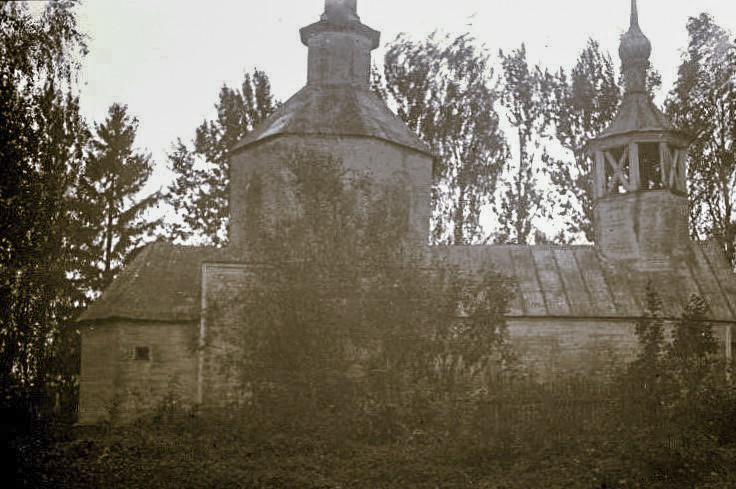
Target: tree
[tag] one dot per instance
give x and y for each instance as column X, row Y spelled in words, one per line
column 583, row 104
column 693, row 341
column 41, row 147
column 444, row 90
column 703, row 102
column 110, row 215
column 650, row 329
column 675, row 402
column 522, row 96
column 344, row 318
column 200, row 193
column 646, row 380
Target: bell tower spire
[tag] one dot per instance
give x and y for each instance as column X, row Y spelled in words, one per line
column 640, row 190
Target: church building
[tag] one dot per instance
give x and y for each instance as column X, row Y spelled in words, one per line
column 575, row 308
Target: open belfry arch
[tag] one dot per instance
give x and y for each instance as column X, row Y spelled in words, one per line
column 650, row 163
column 167, row 317
column 641, row 150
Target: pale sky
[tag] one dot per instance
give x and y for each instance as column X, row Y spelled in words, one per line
column 167, row 59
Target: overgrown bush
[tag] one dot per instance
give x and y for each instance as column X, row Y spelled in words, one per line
column 347, row 321
column 644, row 430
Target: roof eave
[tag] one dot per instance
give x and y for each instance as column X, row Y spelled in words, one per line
column 271, row 137
column 607, row 140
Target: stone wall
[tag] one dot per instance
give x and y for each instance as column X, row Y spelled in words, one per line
column 546, row 347
column 114, row 381
column 386, row 163
column 224, row 287
column 590, row 347
column 646, row 230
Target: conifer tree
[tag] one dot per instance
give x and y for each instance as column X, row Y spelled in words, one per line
column 693, row 340
column 646, row 378
column 111, row 216
column 650, row 329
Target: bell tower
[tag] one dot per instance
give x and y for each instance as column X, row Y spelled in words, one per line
column 639, row 174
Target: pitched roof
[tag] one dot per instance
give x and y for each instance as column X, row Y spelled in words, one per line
column 576, row 281
column 637, row 113
column 162, row 283
column 335, row 110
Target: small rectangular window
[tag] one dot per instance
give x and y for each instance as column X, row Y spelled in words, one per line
column 143, row 353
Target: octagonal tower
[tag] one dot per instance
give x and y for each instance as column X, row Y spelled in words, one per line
column 336, row 115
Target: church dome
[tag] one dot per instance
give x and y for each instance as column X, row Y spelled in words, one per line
column 634, row 45
column 634, row 51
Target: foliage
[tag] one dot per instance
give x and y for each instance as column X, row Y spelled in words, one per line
column 583, row 103
column 524, row 100
column 375, row 368
column 41, row 142
column 344, row 315
column 703, row 102
column 666, row 420
column 200, row 194
column 676, row 402
column 109, row 222
column 444, row 90
column 650, row 332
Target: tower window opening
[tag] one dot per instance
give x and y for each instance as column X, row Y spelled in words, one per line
column 617, row 170
column 650, row 167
